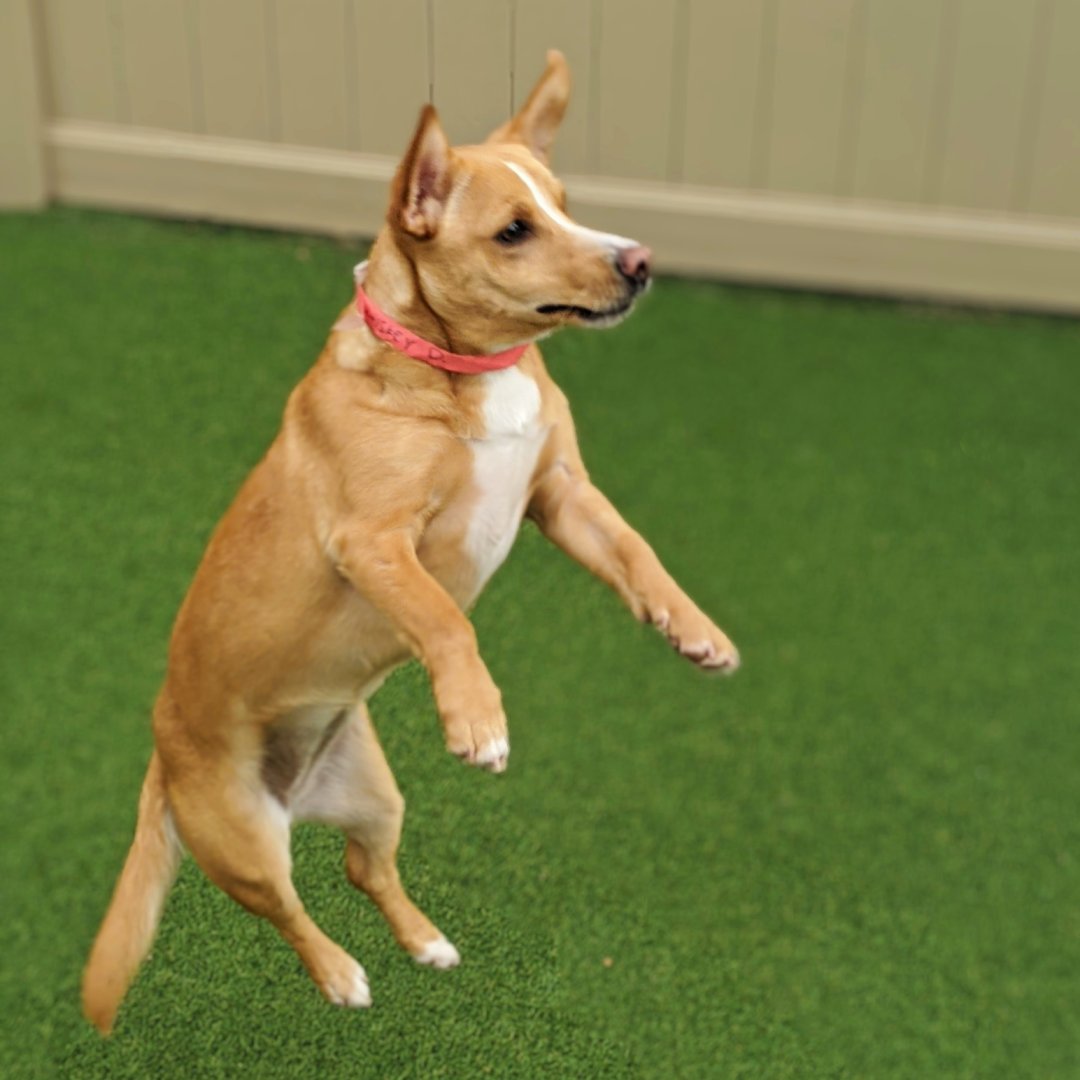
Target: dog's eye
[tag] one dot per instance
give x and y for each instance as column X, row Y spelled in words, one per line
column 514, row 233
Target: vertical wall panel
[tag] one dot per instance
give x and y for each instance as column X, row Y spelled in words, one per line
column 233, row 65
column 391, row 42
column 81, row 77
column 897, row 98
column 722, row 77
column 472, row 66
column 557, row 24
column 22, row 179
column 631, row 129
column 1054, row 186
column 986, row 104
column 312, row 49
column 810, row 79
column 158, row 63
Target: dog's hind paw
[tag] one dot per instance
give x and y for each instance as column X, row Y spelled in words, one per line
column 438, row 954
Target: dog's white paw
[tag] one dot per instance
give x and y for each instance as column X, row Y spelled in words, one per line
column 438, row 954
column 693, row 636
column 478, row 737
column 494, row 755
column 708, row 655
column 348, row 987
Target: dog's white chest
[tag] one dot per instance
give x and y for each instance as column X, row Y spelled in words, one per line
column 503, row 464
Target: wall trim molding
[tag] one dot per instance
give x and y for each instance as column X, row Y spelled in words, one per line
column 955, row 255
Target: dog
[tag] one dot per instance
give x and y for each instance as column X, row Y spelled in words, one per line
column 406, row 461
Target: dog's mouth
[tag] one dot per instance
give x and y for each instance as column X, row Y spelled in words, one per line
column 589, row 315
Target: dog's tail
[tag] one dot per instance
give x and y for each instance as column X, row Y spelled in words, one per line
column 132, row 919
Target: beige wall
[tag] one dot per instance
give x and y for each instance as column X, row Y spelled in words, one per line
column 917, row 146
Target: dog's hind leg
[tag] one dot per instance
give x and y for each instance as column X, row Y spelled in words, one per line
column 352, row 787
column 239, row 834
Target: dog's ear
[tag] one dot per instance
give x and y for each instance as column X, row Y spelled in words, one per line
column 422, row 183
column 539, row 118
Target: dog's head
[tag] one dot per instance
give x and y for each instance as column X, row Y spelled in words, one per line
column 485, row 227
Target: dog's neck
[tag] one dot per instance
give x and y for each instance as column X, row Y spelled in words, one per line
column 392, row 282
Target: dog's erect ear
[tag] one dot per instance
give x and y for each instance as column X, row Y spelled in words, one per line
column 422, row 183
column 538, row 119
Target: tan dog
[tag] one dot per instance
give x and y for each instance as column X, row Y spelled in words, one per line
column 392, row 493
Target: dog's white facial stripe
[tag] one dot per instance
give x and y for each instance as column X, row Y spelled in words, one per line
column 550, row 210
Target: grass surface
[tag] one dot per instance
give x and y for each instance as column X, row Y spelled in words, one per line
column 859, row 858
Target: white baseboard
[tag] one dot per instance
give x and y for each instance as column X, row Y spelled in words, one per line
column 958, row 256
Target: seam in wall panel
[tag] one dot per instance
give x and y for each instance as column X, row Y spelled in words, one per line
column 119, row 67
column 354, row 130
column 273, row 88
column 596, row 26
column 195, row 68
column 42, row 62
column 937, row 137
column 1031, row 110
column 847, row 147
column 431, row 50
column 760, row 153
column 680, row 82
column 510, row 60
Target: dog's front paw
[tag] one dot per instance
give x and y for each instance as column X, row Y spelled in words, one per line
column 481, row 741
column 695, row 636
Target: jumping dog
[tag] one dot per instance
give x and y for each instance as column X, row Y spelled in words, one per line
column 406, row 460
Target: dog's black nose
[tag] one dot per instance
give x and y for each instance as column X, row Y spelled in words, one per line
column 633, row 264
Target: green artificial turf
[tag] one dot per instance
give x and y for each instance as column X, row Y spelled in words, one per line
column 859, row 858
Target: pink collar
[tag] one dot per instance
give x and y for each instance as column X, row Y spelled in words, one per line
column 405, row 341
